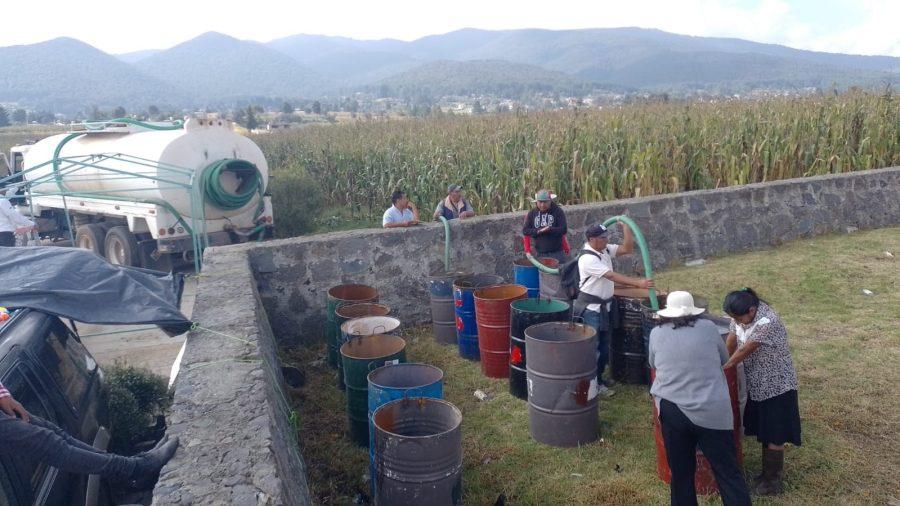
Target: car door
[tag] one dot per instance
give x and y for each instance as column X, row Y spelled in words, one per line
column 45, row 485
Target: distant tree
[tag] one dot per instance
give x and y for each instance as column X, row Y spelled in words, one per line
column 287, row 108
column 119, row 112
column 4, row 117
column 317, row 107
column 252, row 122
column 240, row 117
column 153, row 112
column 20, row 116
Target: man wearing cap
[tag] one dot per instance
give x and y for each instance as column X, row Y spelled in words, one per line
column 546, row 225
column 597, row 283
column 454, row 205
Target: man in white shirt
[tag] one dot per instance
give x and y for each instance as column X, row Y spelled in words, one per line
column 11, row 222
column 402, row 212
column 597, row 284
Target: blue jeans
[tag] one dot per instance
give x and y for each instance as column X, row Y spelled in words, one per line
column 599, row 322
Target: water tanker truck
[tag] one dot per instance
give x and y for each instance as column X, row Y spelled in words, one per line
column 144, row 194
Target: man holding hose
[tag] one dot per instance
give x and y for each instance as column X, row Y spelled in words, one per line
column 597, row 282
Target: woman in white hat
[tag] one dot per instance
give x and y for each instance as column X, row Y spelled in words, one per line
column 691, row 394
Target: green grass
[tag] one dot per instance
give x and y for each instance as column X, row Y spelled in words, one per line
column 845, row 345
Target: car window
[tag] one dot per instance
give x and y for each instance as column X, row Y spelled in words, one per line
column 21, row 384
column 68, row 363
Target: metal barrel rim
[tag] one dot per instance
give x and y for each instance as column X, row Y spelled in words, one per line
column 544, row 325
column 367, row 348
column 361, row 310
column 421, row 401
column 436, row 374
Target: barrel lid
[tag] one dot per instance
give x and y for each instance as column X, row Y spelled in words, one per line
column 540, row 305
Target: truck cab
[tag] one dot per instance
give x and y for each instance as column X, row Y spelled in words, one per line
column 47, row 369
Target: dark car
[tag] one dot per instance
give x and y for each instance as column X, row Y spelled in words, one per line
column 46, row 368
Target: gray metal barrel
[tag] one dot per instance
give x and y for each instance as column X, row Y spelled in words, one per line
column 443, row 312
column 562, row 383
column 418, row 452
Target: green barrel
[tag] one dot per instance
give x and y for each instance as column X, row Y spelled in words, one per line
column 338, row 296
column 349, row 312
column 360, row 356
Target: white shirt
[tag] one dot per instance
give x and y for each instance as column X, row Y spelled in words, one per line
column 591, row 270
column 393, row 215
column 11, row 218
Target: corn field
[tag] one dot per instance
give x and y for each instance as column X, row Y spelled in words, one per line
column 586, row 155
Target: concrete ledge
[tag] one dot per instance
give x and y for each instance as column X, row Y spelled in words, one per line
column 237, row 445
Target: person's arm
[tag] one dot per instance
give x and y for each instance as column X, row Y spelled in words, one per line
column 437, row 211
column 415, row 213
column 651, row 351
column 731, row 343
column 559, row 227
column 528, row 228
column 9, row 405
column 469, row 212
column 627, row 245
column 723, row 350
column 14, row 216
column 743, row 352
column 622, row 279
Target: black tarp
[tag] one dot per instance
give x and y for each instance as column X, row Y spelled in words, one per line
column 77, row 284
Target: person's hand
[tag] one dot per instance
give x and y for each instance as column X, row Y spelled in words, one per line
column 411, row 223
column 646, row 283
column 12, row 408
column 411, row 207
column 728, row 365
column 543, row 229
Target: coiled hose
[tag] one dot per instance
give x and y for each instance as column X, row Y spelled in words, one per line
column 250, row 184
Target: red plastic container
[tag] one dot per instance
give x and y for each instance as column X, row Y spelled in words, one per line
column 704, row 480
column 492, row 317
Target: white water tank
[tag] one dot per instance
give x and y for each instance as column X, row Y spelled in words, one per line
column 142, row 154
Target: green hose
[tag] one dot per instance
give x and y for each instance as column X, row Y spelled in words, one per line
column 100, row 125
column 215, row 194
column 645, row 252
column 446, row 243
column 642, row 244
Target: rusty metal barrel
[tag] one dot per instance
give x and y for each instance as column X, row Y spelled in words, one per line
column 365, row 326
column 343, row 314
column 418, row 452
column 466, row 327
column 549, row 283
column 523, row 314
column 492, row 310
column 362, row 355
column 562, row 383
column 338, row 296
column 443, row 312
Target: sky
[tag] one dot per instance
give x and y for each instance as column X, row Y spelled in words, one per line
column 117, row 26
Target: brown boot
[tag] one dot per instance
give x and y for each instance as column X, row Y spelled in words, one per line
column 773, row 469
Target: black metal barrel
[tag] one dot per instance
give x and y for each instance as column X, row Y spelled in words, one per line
column 628, row 355
column 418, row 452
column 562, row 383
column 523, row 314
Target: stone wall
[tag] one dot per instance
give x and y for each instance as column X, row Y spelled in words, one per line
column 295, row 274
column 230, row 410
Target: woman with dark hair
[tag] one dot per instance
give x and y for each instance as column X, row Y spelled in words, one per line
column 691, row 395
column 758, row 339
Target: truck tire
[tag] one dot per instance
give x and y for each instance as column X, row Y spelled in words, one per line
column 90, row 237
column 122, row 247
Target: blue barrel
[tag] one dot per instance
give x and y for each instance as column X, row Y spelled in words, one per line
column 443, row 313
column 527, row 275
column 464, row 300
column 399, row 381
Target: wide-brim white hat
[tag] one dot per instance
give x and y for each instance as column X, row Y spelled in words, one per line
column 680, row 304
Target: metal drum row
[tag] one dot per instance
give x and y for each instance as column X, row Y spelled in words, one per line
column 394, row 408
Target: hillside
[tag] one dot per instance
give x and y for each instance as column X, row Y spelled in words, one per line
column 66, row 75
column 496, row 77
column 215, row 68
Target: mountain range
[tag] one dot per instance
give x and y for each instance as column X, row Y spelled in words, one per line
column 218, row 70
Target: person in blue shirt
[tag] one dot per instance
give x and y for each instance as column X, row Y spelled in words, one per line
column 402, row 212
column 454, row 205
